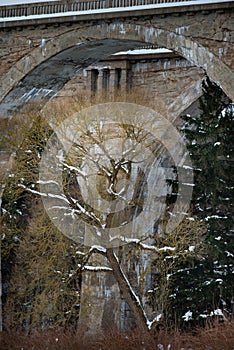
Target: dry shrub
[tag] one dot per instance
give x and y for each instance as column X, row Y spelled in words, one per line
column 68, row 105
column 218, row 337
column 44, row 340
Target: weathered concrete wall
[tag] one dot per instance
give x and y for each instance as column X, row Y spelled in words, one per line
column 165, row 79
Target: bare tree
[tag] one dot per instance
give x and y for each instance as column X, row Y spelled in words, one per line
column 103, row 184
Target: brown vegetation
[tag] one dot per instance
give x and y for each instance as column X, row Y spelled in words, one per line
column 218, row 337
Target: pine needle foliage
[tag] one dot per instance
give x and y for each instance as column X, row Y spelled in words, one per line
column 206, row 285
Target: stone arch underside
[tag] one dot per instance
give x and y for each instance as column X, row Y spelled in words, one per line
column 42, row 73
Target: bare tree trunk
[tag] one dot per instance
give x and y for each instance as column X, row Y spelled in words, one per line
column 127, row 292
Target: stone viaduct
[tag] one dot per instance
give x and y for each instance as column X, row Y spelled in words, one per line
column 43, row 47
column 40, row 53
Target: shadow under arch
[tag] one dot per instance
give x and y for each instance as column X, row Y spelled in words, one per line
column 42, row 73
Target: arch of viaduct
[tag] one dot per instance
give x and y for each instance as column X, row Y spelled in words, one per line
column 51, row 57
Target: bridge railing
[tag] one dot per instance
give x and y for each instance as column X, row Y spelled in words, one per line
column 46, row 8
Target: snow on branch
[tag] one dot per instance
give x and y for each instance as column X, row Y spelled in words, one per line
column 42, row 194
column 97, row 249
column 139, row 243
column 95, row 268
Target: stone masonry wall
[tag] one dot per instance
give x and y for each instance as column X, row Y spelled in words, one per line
column 212, row 29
